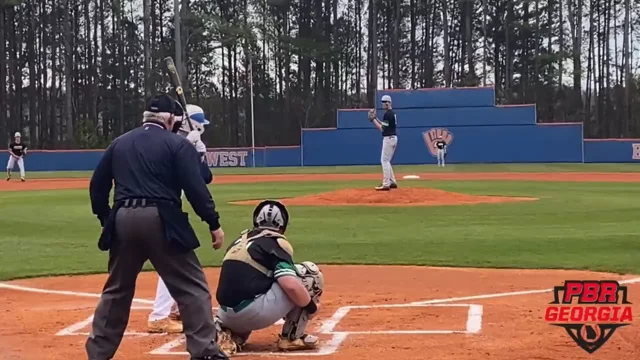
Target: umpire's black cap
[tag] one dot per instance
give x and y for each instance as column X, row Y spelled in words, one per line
column 164, row 103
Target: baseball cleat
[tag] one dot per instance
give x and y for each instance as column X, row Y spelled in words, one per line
column 165, row 325
column 393, row 186
column 382, row 188
column 306, row 342
column 22, row 179
column 226, row 342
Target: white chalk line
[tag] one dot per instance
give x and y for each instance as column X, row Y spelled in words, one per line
column 338, row 337
column 473, row 323
column 62, row 292
column 473, row 326
column 498, row 295
column 71, row 330
column 327, row 348
column 84, row 294
column 474, row 319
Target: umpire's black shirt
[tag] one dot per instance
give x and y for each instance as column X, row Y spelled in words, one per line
column 154, row 164
column 389, row 123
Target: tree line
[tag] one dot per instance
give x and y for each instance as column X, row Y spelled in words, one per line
column 77, row 73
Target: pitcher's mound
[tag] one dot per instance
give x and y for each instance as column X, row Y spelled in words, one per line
column 396, row 197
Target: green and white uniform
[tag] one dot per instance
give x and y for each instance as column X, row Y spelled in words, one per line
column 249, row 296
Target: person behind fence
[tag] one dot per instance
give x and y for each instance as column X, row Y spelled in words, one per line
column 260, row 284
column 165, row 316
column 149, row 166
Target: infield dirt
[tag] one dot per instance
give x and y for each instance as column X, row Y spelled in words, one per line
column 512, row 325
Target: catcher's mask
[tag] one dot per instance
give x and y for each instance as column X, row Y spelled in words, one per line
column 271, row 214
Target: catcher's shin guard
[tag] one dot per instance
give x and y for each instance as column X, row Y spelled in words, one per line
column 294, row 324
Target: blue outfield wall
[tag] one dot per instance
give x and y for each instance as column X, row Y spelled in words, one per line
column 438, row 97
column 86, row 160
column 460, row 116
column 611, row 150
column 468, row 144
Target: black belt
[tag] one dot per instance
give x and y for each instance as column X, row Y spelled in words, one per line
column 134, row 203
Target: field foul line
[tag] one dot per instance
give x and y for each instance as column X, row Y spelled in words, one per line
column 62, row 292
column 498, row 295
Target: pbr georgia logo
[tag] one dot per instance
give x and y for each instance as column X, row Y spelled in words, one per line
column 600, row 309
column 431, row 137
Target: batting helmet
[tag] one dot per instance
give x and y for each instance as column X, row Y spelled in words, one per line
column 197, row 119
column 271, row 214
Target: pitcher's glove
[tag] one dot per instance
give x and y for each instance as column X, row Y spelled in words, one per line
column 372, row 114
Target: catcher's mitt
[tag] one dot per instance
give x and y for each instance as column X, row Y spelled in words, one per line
column 372, row 114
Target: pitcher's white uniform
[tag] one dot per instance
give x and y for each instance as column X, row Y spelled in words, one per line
column 165, row 316
column 17, row 150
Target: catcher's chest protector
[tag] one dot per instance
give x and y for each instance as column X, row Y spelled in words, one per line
column 239, row 251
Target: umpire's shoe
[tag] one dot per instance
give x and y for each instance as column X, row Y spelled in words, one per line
column 219, row 356
column 306, row 342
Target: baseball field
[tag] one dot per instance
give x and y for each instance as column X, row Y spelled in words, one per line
column 459, row 264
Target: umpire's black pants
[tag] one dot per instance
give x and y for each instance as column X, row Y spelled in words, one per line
column 140, row 237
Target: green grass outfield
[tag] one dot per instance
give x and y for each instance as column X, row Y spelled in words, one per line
column 573, row 225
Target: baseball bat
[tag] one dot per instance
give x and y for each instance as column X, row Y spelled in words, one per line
column 175, row 81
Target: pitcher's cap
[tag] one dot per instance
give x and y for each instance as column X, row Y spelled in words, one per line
column 386, row 98
column 17, row 134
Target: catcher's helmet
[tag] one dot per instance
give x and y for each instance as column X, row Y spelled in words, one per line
column 271, row 214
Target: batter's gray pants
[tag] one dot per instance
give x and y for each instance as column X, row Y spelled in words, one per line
column 440, row 157
column 263, row 312
column 389, row 144
column 140, row 238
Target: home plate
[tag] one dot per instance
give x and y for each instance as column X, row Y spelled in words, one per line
column 411, row 177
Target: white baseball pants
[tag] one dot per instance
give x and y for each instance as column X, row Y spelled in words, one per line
column 12, row 163
column 389, row 144
column 163, row 302
column 441, row 157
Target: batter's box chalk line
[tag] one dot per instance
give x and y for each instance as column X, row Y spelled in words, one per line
column 473, row 326
column 74, row 330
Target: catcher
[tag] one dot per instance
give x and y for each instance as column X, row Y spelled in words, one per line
column 260, row 284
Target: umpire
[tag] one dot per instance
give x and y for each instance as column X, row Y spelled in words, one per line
column 150, row 165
